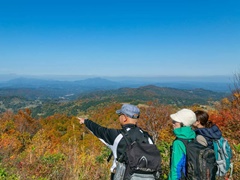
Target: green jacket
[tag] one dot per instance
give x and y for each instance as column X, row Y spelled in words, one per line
column 178, row 155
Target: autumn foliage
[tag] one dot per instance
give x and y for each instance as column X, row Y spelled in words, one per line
column 58, row 147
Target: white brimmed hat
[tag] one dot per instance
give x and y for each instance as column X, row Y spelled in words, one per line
column 185, row 116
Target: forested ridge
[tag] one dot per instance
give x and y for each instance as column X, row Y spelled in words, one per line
column 10, row 99
column 56, row 146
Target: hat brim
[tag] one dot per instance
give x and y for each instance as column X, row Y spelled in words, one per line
column 118, row 111
column 175, row 118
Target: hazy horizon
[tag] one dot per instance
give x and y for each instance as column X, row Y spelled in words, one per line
column 216, row 78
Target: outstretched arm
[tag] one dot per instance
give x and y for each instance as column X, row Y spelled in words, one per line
column 106, row 135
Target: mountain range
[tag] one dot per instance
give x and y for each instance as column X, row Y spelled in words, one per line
column 33, row 88
column 46, row 97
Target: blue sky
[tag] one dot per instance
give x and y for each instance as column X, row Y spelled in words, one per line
column 120, row 38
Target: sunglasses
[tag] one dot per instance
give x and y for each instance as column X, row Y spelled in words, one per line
column 120, row 114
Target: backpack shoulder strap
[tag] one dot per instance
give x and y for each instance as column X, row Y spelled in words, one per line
column 218, row 147
column 126, row 137
column 184, row 141
column 128, row 140
column 146, row 136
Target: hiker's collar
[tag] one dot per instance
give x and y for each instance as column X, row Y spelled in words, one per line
column 129, row 126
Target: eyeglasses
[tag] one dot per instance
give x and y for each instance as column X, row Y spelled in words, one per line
column 120, row 114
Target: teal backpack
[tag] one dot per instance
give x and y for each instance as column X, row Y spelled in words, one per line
column 223, row 153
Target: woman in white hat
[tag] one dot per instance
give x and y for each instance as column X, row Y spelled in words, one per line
column 182, row 121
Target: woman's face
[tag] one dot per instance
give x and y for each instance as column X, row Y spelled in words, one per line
column 176, row 124
column 197, row 124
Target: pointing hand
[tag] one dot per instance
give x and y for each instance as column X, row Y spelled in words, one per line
column 81, row 120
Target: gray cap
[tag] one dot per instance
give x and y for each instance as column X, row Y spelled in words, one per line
column 129, row 110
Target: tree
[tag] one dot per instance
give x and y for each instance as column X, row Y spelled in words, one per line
column 232, row 107
column 154, row 118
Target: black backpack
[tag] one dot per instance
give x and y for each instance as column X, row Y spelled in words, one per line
column 200, row 161
column 143, row 160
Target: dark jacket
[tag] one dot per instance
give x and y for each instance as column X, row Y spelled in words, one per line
column 113, row 137
column 210, row 134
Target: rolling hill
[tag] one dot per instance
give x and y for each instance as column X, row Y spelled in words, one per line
column 171, row 96
column 46, row 97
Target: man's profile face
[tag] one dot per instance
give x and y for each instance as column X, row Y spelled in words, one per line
column 122, row 118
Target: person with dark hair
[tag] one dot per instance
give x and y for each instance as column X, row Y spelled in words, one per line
column 206, row 131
